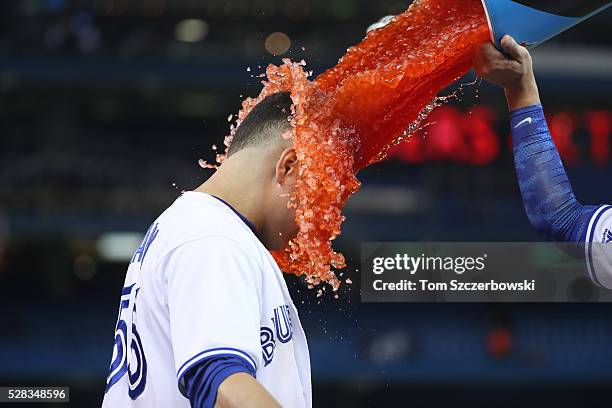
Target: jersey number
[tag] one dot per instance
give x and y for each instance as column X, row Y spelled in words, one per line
column 131, row 361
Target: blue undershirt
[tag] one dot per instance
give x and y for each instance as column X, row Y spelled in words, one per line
column 548, row 197
column 202, row 381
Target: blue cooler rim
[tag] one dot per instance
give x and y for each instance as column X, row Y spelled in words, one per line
column 491, row 28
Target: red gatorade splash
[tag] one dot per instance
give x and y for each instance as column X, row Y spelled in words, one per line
column 351, row 115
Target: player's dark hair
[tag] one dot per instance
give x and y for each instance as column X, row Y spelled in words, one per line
column 267, row 121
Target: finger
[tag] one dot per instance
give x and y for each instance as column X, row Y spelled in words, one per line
column 515, row 50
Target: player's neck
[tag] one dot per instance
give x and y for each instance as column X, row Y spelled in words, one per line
column 240, row 188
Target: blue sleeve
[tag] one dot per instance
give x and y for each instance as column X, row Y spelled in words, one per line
column 201, row 382
column 548, row 197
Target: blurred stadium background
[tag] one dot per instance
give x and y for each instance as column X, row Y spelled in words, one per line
column 106, row 106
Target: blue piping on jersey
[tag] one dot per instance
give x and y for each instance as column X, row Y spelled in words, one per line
column 218, row 350
column 590, row 244
column 242, row 217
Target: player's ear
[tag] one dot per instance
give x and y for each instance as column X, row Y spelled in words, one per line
column 287, row 167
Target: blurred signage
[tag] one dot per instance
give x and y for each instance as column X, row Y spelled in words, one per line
column 478, row 136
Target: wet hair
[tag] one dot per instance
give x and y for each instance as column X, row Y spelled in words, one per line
column 267, row 121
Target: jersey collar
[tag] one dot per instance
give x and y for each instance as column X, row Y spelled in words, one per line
column 242, row 217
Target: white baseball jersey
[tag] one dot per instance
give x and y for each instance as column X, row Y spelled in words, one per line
column 201, row 284
column 598, row 248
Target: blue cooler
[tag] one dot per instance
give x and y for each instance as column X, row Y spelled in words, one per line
column 533, row 22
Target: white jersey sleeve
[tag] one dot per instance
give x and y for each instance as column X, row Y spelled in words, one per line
column 214, row 302
column 598, row 248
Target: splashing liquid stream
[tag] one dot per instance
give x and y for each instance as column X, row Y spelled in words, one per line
column 381, row 91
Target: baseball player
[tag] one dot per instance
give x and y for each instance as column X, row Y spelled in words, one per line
column 547, row 194
column 205, row 318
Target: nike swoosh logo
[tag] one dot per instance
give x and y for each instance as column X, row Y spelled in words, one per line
column 522, row 122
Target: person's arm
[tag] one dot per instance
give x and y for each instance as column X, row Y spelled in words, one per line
column 243, row 391
column 548, row 198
